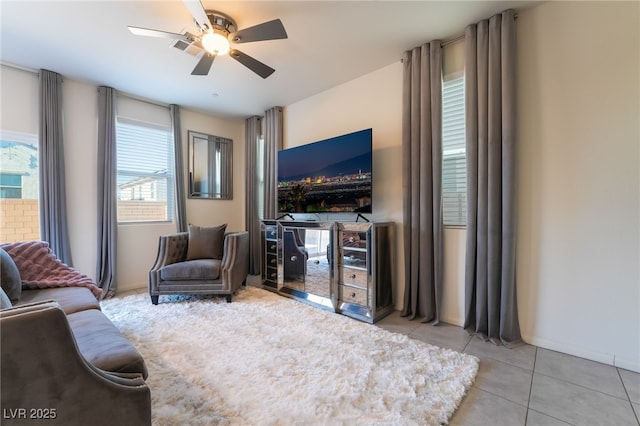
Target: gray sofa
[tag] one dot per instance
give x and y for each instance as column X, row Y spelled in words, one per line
column 63, row 362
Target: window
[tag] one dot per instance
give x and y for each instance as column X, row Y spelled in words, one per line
column 454, row 164
column 19, row 210
column 10, row 185
column 145, row 171
column 260, row 172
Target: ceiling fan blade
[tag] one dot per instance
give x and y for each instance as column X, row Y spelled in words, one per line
column 271, row 30
column 157, row 33
column 199, row 14
column 254, row 65
column 204, row 65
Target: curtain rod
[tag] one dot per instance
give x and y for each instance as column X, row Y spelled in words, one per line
column 147, row 101
column 20, row 67
column 126, row 95
column 461, row 36
column 453, row 40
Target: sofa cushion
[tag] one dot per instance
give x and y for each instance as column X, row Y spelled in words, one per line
column 70, row 299
column 4, row 300
column 206, row 242
column 199, row 269
column 101, row 343
column 10, row 277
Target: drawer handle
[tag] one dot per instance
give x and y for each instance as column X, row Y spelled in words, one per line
column 317, row 262
column 273, row 261
column 294, row 258
column 353, row 277
column 273, row 247
column 273, row 275
column 353, row 294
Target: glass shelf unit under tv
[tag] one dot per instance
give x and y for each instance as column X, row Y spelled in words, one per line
column 343, row 267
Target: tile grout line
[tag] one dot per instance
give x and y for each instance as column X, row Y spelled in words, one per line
column 588, row 388
column 533, row 371
column 553, row 417
column 624, row 386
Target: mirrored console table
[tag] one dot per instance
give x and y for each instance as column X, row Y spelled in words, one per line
column 343, row 267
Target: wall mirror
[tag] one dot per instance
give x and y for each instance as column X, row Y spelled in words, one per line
column 210, row 166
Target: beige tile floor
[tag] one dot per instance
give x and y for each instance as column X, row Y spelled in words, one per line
column 530, row 385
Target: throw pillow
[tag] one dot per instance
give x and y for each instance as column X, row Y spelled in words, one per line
column 10, row 277
column 206, row 242
column 4, row 300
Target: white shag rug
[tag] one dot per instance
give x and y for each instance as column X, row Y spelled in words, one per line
column 268, row 360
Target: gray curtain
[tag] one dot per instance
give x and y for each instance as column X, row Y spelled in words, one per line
column 252, row 131
column 53, row 199
column 273, row 128
column 180, row 197
column 490, row 96
column 107, row 203
column 422, row 181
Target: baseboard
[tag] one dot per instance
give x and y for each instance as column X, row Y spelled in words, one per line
column 453, row 320
column 132, row 287
column 628, row 364
column 602, row 357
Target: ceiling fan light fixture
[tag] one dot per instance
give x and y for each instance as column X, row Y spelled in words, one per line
column 215, row 43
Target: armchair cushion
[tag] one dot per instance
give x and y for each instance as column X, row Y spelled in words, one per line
column 10, row 277
column 198, row 269
column 206, row 242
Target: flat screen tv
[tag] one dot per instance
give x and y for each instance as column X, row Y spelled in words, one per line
column 332, row 175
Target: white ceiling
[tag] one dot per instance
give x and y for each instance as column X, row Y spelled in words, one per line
column 330, row 42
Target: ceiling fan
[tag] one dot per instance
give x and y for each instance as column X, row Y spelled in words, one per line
column 215, row 33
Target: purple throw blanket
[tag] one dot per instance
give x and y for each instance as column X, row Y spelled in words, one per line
column 40, row 268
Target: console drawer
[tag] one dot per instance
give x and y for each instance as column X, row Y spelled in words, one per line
column 271, row 231
column 271, row 273
column 272, row 260
column 353, row 276
column 271, row 246
column 354, row 295
column 353, row 238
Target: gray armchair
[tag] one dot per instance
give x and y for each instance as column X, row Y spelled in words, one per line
column 173, row 274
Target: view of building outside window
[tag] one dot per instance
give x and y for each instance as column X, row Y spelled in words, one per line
column 19, row 214
column 145, row 172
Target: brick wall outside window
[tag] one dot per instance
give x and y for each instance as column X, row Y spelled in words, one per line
column 19, row 220
column 141, row 211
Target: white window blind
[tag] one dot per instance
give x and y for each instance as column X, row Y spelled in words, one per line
column 145, row 171
column 454, row 167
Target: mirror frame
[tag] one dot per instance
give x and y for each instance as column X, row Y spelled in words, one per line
column 223, row 179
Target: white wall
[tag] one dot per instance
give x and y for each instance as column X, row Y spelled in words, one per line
column 578, row 254
column 578, row 244
column 215, row 212
column 80, row 103
column 372, row 101
column 137, row 243
column 375, row 100
column 18, row 100
column 578, row 235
